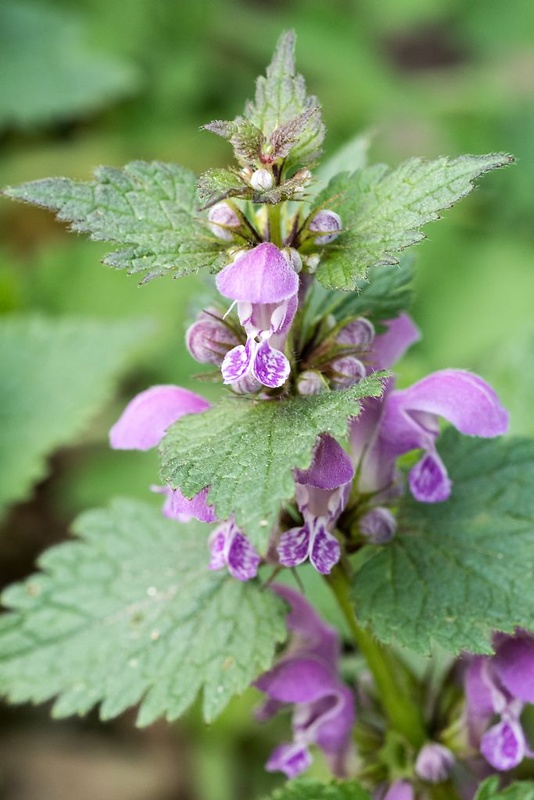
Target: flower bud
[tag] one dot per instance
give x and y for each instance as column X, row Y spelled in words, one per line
column 346, row 371
column 293, row 258
column 209, row 338
column 261, row 180
column 311, row 382
column 359, row 333
column 327, row 223
column 378, row 525
column 221, row 217
column 434, row 763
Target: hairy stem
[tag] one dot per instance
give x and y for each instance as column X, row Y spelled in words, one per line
column 403, row 713
column 275, row 230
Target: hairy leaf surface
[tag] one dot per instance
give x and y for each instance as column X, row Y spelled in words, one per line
column 151, row 208
column 383, row 209
column 458, row 570
column 131, row 614
column 245, row 451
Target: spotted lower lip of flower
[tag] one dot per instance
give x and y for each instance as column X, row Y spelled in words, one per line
column 410, row 422
column 503, row 745
column 230, row 548
column 311, row 541
column 307, row 677
column 268, row 366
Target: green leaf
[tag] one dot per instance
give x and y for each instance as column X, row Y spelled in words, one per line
column 56, row 374
column 383, row 209
column 489, row 790
column 150, row 207
column 245, row 451
column 49, row 72
column 280, row 101
column 217, row 184
column 458, row 570
column 313, row 790
column 349, row 157
column 131, row 614
column 387, row 292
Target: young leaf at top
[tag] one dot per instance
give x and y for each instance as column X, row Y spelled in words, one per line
column 245, row 451
column 131, row 614
column 458, row 570
column 313, row 790
column 56, row 375
column 151, row 208
column 283, row 122
column 383, row 209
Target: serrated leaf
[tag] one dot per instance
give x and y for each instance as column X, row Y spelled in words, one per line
column 313, row 790
column 150, row 207
column 458, row 570
column 383, row 209
column 245, row 451
column 131, row 614
column 489, row 790
column 281, row 99
column 387, row 292
column 217, row 184
column 48, row 71
column 246, row 139
column 350, row 157
column 56, row 374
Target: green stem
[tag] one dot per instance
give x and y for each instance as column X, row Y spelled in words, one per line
column 403, row 714
column 275, row 230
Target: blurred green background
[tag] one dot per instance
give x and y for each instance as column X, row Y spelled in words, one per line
column 89, row 82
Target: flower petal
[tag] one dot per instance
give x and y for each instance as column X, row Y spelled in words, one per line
column 236, row 363
column 390, row 346
column 270, row 367
column 312, row 636
column 429, row 480
column 292, row 759
column 331, row 467
column 503, row 745
column 242, row 558
column 145, row 419
column 514, row 664
column 400, row 790
column 325, row 551
column 261, row 275
column 293, row 546
column 217, row 545
column 299, row 680
column 182, row 508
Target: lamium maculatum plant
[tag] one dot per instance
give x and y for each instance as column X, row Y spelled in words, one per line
column 312, row 463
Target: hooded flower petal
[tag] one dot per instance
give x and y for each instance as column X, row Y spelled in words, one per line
column 390, row 346
column 463, row 399
column 400, row 790
column 514, row 664
column 331, row 467
column 261, row 275
column 145, row 419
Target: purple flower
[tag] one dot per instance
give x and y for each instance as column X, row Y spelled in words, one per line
column 408, row 419
column 321, row 491
column 307, row 677
column 143, row 424
column 434, row 762
column 399, row 790
column 209, row 338
column 499, row 686
column 230, row 548
column 265, row 287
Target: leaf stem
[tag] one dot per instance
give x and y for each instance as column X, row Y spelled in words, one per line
column 389, row 675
